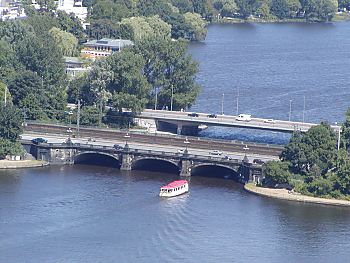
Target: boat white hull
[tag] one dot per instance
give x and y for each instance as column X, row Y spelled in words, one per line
column 174, row 193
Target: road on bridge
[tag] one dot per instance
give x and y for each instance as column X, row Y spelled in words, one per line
column 229, row 121
column 110, row 137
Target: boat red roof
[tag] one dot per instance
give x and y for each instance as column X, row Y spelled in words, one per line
column 175, row 184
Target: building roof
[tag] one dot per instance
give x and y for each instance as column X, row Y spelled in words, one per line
column 175, row 184
column 75, row 60
column 108, row 42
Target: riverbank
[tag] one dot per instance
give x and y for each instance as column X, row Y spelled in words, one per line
column 339, row 17
column 6, row 164
column 284, row 194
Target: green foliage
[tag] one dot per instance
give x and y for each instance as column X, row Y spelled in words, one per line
column 169, row 67
column 66, row 42
column 197, row 27
column 315, row 147
column 146, row 27
column 285, row 8
column 10, row 122
column 90, row 116
column 276, row 172
column 8, row 147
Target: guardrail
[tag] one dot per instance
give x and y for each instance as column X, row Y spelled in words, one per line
column 95, row 147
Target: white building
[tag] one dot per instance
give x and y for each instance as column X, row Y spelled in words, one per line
column 75, row 7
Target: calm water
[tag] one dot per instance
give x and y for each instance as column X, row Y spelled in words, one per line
column 271, row 64
column 92, row 214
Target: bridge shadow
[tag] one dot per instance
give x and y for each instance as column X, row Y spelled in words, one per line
column 215, row 171
column 97, row 159
column 155, row 166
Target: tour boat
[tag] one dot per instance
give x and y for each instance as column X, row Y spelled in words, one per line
column 174, row 188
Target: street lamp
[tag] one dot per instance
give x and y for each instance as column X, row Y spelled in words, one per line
column 290, row 109
column 126, row 136
column 172, row 98
column 222, row 104
column 186, row 142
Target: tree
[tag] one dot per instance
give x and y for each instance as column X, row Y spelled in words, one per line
column 7, row 60
column 285, row 8
column 168, row 67
column 10, row 148
column 10, row 122
column 129, row 86
column 147, row 27
column 344, row 4
column 316, row 147
column 66, row 42
column 90, row 116
column 100, row 77
column 184, row 6
column 322, row 10
column 246, row 7
column 346, row 130
column 196, row 25
column 107, row 9
column 276, row 173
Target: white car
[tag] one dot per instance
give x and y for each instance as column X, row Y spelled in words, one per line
column 215, row 152
column 246, row 147
column 269, row 121
column 181, row 151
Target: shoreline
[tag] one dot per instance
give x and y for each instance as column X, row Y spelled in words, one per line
column 6, row 164
column 284, row 194
column 337, row 19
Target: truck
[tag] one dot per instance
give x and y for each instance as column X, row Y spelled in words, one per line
column 244, row 117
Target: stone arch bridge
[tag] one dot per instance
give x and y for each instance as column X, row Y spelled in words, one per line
column 128, row 158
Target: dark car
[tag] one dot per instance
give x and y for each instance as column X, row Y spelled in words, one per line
column 193, row 114
column 118, row 147
column 258, row 161
column 39, row 140
column 212, row 115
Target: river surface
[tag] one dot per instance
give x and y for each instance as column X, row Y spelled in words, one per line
column 269, row 65
column 94, row 214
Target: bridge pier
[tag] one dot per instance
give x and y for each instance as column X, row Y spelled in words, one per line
column 126, row 162
column 185, row 168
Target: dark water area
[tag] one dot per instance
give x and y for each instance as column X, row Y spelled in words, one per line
column 84, row 214
column 95, row 214
column 269, row 65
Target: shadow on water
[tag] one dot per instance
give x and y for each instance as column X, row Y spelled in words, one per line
column 214, row 171
column 155, row 166
column 97, row 159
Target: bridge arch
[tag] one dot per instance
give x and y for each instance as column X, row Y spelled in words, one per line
column 215, row 170
column 156, row 164
column 97, row 158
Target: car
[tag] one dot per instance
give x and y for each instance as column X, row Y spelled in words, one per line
column 212, row 115
column 118, row 147
column 228, row 157
column 39, row 140
column 246, row 147
column 258, row 161
column 193, row 114
column 215, row 152
column 269, row 121
column 181, row 151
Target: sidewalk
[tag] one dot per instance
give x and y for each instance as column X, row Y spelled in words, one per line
column 6, row 164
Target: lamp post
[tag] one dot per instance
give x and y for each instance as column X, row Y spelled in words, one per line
column 172, row 97
column 304, row 111
column 186, row 142
column 222, row 103
column 237, row 102
column 5, row 97
column 290, row 109
column 126, row 136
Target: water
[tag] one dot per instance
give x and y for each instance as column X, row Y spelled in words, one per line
column 269, row 65
column 92, row 214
